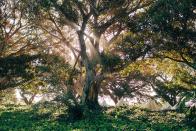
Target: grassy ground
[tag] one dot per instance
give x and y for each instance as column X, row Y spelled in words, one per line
column 117, row 119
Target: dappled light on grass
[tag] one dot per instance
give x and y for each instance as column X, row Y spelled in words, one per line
column 121, row 118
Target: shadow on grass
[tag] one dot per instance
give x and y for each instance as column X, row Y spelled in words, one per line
column 14, row 118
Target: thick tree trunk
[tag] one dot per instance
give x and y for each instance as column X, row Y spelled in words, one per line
column 90, row 90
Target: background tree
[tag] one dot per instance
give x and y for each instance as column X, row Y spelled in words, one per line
column 17, row 43
column 171, row 30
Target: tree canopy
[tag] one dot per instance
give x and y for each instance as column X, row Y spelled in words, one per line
column 92, row 48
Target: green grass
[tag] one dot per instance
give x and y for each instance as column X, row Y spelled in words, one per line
column 23, row 118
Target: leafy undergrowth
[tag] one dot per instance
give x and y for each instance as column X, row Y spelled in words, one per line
column 121, row 118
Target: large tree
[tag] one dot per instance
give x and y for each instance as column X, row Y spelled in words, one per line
column 91, row 20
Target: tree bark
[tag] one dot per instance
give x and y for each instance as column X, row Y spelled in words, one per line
column 90, row 90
